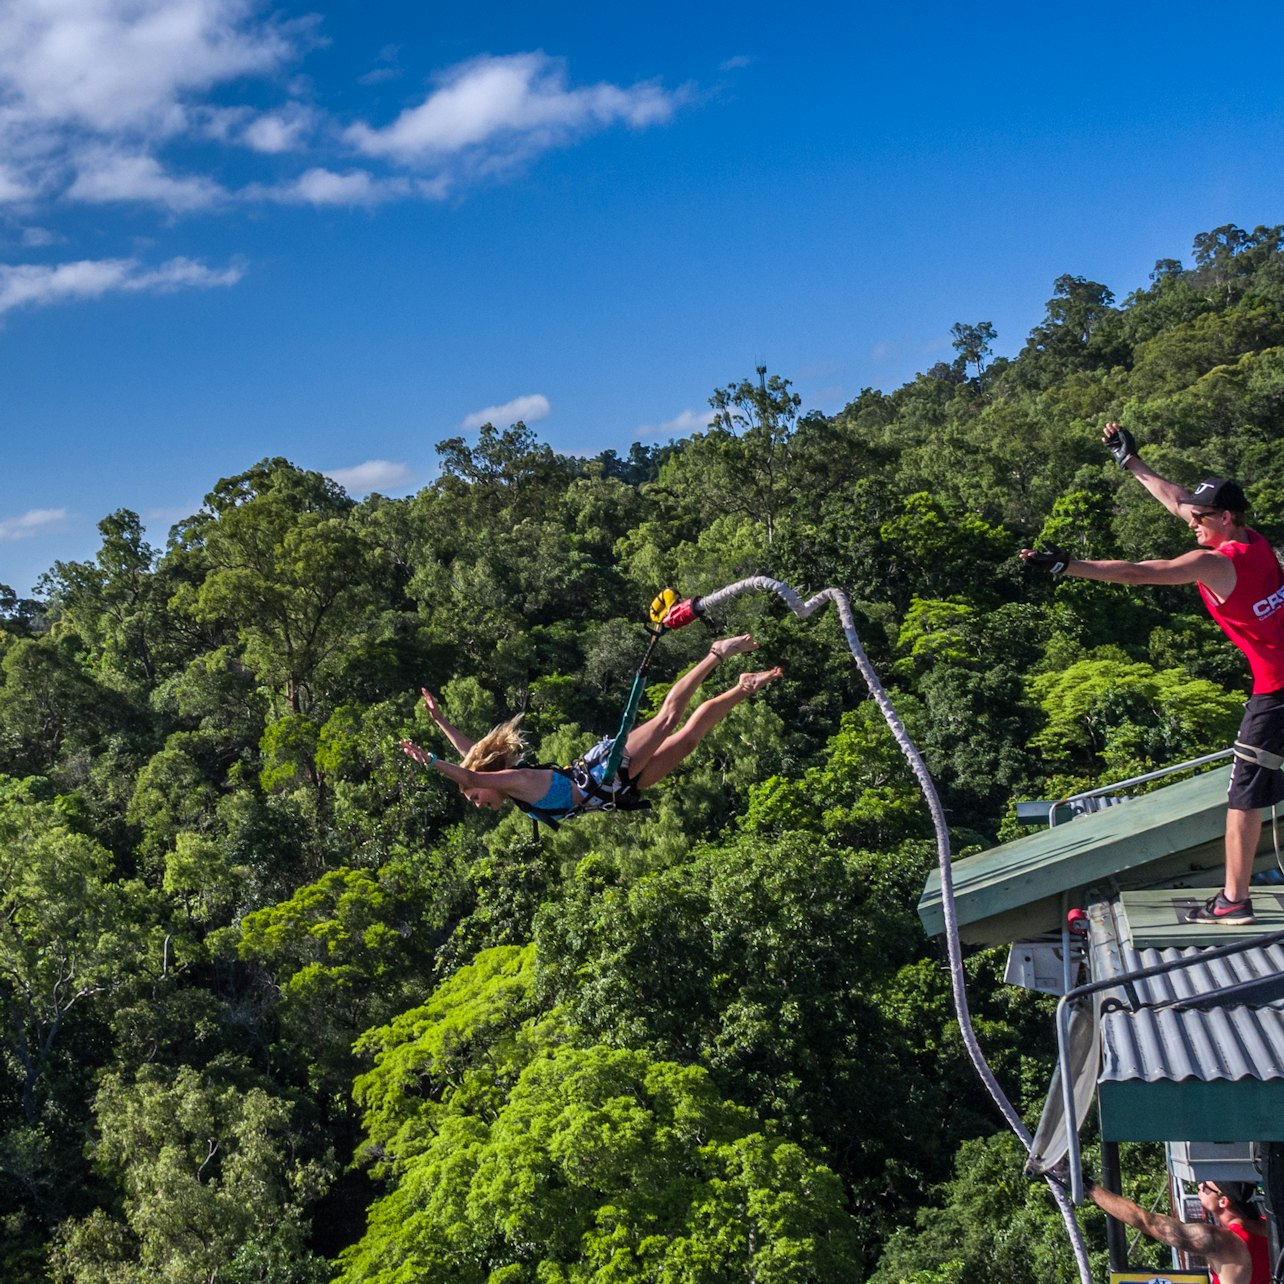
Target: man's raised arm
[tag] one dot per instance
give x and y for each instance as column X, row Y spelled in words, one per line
column 1123, row 447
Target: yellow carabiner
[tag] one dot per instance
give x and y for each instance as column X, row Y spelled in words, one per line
column 660, row 607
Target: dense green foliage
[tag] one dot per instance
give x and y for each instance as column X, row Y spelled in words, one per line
column 275, row 1006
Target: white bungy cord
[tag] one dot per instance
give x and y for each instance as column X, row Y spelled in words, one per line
column 764, row 584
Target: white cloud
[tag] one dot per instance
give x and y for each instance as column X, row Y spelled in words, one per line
column 13, row 186
column 319, row 186
column 737, row 63
column 681, row 425
column 37, row 238
column 33, row 522
column 361, row 479
column 278, row 132
column 183, row 274
column 112, row 65
column 508, row 108
column 389, row 68
column 528, row 409
column 35, row 285
column 90, row 90
column 97, row 96
column 107, row 176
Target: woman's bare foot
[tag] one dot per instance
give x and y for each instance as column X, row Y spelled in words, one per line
column 750, row 683
column 724, row 647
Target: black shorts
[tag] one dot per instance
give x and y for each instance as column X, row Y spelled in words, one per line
column 1252, row 786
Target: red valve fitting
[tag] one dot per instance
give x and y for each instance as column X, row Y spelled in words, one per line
column 681, row 613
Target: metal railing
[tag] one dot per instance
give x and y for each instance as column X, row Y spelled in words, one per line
column 1032, row 809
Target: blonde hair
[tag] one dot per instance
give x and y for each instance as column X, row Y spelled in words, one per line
column 499, row 749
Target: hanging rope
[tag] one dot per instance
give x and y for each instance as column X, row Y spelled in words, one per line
column 630, row 714
column 692, row 608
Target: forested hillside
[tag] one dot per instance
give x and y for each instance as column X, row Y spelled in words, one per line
column 278, row 1006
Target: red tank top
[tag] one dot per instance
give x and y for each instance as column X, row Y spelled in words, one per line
column 1259, row 1249
column 1253, row 615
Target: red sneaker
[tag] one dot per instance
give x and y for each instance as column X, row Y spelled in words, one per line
column 1219, row 910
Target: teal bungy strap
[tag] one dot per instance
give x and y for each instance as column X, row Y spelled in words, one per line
column 626, row 725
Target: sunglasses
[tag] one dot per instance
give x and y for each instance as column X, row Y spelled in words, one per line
column 1203, row 516
column 1208, row 1186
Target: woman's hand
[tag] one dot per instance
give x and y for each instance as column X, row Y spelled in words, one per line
column 458, row 740
column 420, row 755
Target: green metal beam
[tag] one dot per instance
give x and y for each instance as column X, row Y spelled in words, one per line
column 1191, row 1110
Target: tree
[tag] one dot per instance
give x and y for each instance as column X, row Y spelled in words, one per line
column 509, row 474
column 74, row 945
column 50, row 707
column 285, row 567
column 214, row 1186
column 972, row 343
column 770, row 963
column 342, row 954
column 69, row 936
column 935, row 552
column 1105, row 711
column 515, row 1155
column 990, row 1222
column 115, row 602
column 758, row 460
column 20, row 616
column 1067, row 340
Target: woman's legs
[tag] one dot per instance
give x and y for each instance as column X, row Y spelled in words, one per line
column 676, row 747
column 645, row 739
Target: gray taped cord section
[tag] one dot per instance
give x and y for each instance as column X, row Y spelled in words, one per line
column 804, row 609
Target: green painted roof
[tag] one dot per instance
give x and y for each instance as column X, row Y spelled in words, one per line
column 1017, row 890
column 1152, row 918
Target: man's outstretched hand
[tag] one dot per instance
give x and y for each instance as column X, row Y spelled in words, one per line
column 1120, row 443
column 1050, row 559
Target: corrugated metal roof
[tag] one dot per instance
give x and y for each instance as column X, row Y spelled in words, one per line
column 1167, row 1067
column 1168, row 1039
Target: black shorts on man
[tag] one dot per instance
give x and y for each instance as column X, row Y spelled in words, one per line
column 1252, row 784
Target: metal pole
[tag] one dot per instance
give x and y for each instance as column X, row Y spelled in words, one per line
column 1112, row 1179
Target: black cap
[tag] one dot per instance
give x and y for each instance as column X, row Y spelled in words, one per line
column 1238, row 1192
column 1217, row 492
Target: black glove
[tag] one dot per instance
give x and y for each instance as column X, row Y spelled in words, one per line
column 1059, row 1173
column 1122, row 445
column 1051, row 559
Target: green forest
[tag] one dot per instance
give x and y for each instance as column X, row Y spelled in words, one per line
column 278, row 1006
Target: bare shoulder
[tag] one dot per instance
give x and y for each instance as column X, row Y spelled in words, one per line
column 1215, row 569
column 524, row 784
column 1226, row 1253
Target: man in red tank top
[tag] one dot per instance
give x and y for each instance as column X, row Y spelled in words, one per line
column 1232, row 1241
column 1242, row 585
column 1233, row 1211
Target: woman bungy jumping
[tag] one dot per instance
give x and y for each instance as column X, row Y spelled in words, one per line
column 488, row 774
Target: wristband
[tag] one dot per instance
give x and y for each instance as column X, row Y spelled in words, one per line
column 432, row 757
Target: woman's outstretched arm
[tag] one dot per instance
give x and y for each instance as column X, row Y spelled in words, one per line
column 461, row 742
column 521, row 784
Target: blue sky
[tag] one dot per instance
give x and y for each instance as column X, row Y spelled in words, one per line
column 342, row 232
